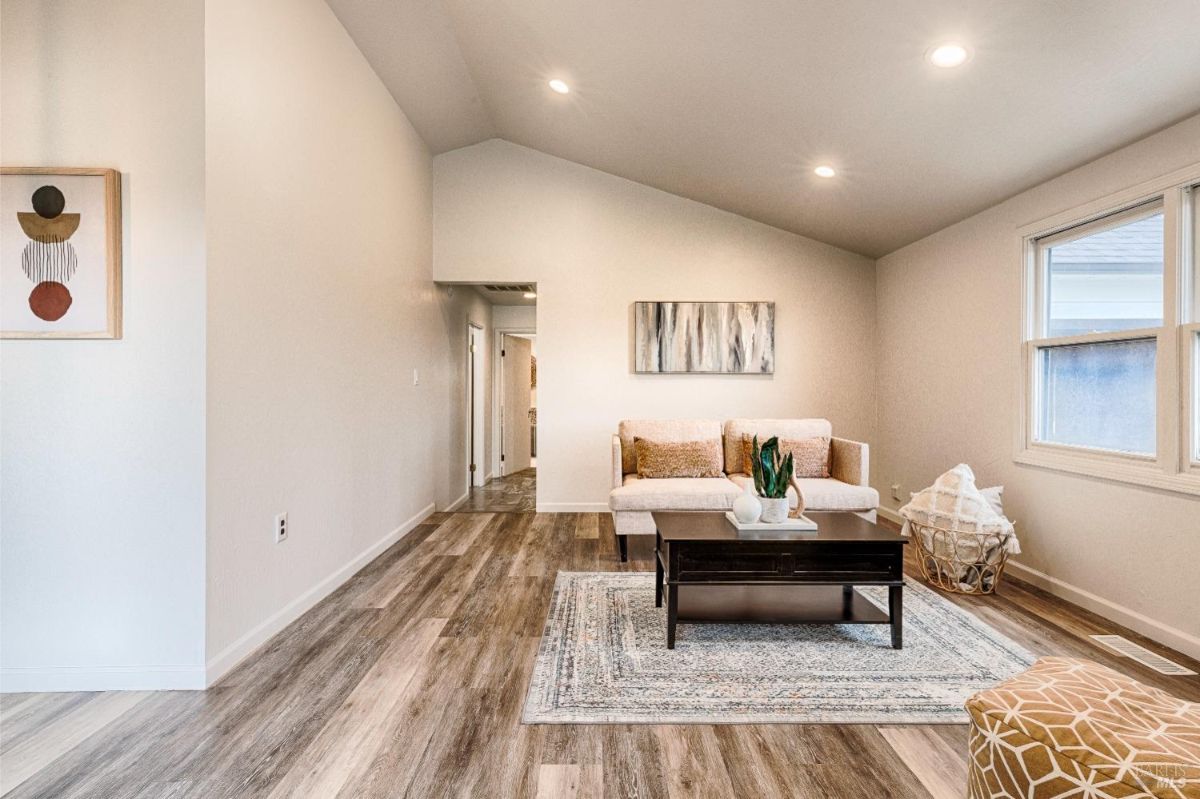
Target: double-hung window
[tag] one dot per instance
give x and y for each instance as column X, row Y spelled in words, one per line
column 1111, row 350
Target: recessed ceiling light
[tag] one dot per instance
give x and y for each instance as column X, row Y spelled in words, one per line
column 560, row 86
column 948, row 55
column 825, row 171
column 530, row 295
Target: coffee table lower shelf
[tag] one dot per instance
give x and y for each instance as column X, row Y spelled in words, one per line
column 776, row 604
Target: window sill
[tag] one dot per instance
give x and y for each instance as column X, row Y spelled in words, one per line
column 1139, row 473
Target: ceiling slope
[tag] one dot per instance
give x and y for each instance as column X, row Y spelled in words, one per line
column 733, row 104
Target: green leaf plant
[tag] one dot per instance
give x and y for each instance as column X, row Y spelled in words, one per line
column 772, row 472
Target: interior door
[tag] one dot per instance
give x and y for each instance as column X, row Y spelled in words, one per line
column 515, row 404
column 477, row 467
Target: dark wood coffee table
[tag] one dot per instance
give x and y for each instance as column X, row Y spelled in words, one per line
column 789, row 578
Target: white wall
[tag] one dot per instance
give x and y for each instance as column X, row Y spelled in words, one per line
column 102, row 500
column 595, row 244
column 949, row 332
column 515, row 317
column 461, row 306
column 320, row 307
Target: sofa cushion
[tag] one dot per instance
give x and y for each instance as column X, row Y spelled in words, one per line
column 825, row 494
column 662, row 459
column 663, row 430
column 764, row 429
column 810, row 455
column 673, row 493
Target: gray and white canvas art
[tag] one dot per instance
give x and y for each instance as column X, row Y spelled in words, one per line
column 704, row 337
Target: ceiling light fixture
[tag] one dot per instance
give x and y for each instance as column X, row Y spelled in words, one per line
column 948, row 55
column 560, row 86
column 530, row 295
column 825, row 171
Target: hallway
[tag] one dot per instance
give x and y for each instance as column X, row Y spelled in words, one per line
column 514, row 493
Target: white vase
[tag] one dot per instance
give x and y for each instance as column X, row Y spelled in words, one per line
column 774, row 511
column 747, row 508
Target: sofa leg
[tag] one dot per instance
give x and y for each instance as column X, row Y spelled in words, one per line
column 623, row 545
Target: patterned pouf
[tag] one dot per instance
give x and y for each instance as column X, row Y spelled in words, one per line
column 1072, row 729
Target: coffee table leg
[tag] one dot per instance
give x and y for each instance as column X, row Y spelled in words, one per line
column 896, row 613
column 672, row 613
column 658, row 579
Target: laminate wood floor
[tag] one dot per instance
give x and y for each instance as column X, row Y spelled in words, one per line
column 513, row 493
column 409, row 681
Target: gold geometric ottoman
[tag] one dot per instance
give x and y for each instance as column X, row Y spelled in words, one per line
column 1073, row 729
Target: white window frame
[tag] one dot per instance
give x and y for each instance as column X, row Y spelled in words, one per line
column 1173, row 467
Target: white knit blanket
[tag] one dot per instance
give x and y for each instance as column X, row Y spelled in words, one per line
column 954, row 503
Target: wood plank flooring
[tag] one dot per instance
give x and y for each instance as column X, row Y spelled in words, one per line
column 409, row 681
column 514, row 493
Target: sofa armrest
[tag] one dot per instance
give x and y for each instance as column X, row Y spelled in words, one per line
column 618, row 476
column 850, row 462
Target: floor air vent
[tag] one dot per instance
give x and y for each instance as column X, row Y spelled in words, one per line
column 1123, row 646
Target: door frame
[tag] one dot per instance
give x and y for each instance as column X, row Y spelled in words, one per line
column 498, row 392
column 476, row 404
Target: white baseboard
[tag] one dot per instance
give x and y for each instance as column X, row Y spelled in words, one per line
column 572, row 507
column 1164, row 634
column 889, row 514
column 1155, row 630
column 223, row 662
column 28, row 679
column 454, row 505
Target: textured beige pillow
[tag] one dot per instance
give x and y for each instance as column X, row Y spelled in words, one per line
column 678, row 458
column 810, row 456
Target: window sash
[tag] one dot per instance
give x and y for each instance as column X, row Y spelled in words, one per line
column 1176, row 467
column 1043, row 245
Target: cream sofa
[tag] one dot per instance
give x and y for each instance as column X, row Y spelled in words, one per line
column 634, row 498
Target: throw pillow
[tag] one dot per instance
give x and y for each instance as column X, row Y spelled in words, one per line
column 659, row 459
column 810, row 456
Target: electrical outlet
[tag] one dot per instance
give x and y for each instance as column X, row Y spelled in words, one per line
column 416, row 378
column 896, row 491
column 281, row 528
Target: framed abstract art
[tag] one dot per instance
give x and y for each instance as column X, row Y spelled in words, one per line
column 704, row 337
column 60, row 253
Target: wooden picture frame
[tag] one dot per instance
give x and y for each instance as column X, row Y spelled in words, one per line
column 99, row 309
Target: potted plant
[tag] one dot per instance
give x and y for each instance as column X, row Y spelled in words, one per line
column 773, row 474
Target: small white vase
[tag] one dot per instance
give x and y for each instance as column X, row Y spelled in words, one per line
column 747, row 508
column 774, row 511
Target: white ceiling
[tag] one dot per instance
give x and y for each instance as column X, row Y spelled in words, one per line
column 733, row 103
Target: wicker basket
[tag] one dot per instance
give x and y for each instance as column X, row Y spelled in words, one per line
column 962, row 563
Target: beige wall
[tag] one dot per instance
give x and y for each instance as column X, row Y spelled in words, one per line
column 320, row 308
column 949, row 315
column 595, row 244
column 102, row 488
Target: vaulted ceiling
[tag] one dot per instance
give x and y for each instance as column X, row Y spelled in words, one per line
column 734, row 102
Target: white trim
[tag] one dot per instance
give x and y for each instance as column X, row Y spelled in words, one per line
column 454, row 505
column 572, row 507
column 38, row 679
column 1170, row 468
column 223, row 662
column 1166, row 635
column 890, row 515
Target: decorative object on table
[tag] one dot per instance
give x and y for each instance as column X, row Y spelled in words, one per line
column 1073, row 728
column 60, row 253
column 746, row 508
column 963, row 540
column 704, row 337
column 797, row 524
column 603, row 660
column 773, row 476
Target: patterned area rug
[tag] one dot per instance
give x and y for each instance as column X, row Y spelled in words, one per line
column 603, row 659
